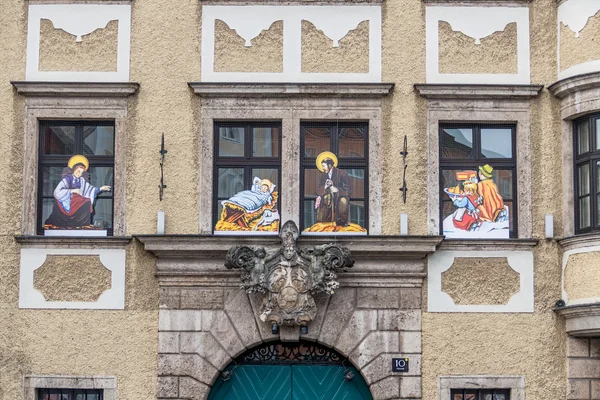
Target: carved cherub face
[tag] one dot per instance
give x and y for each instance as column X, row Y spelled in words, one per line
column 289, row 252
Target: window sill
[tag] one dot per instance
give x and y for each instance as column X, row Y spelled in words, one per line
column 76, row 242
column 436, row 91
column 488, row 244
column 237, row 90
column 76, row 89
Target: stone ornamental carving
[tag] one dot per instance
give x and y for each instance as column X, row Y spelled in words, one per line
column 289, row 277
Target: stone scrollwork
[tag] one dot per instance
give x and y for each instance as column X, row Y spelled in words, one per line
column 289, row 277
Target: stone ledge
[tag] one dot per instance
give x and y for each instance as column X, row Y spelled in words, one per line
column 477, row 92
column 477, row 3
column 75, row 89
column 237, row 90
column 488, row 244
column 289, row 2
column 73, row 242
column 580, row 241
column 581, row 320
column 575, row 84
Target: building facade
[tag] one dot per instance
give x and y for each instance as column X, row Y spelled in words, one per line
column 186, row 184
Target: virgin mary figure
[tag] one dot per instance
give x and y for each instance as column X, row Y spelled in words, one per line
column 74, row 197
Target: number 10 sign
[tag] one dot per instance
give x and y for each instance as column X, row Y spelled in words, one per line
column 399, row 364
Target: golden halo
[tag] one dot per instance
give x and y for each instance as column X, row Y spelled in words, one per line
column 324, row 155
column 78, row 159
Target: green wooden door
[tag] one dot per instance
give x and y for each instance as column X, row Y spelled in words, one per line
column 290, row 382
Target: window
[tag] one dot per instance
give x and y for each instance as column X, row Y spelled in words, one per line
column 478, row 180
column 76, row 178
column 70, row 394
column 334, row 177
column 247, row 177
column 587, row 173
column 480, row 394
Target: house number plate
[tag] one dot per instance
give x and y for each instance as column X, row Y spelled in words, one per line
column 399, row 364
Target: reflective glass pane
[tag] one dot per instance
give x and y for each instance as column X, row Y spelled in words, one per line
column 357, row 213
column 357, row 182
column 352, row 142
column 231, row 141
column 51, row 176
column 103, row 213
column 98, row 140
column 597, row 134
column 100, row 176
column 597, row 176
column 271, row 182
column 458, row 396
column 80, row 396
column 311, row 181
column 230, row 182
column 496, row 142
column 310, row 213
column 500, row 396
column 456, row 143
column 584, row 179
column 316, row 140
column 584, row 212
column 583, row 137
column 470, row 396
column 59, row 140
column 265, row 142
column 504, row 181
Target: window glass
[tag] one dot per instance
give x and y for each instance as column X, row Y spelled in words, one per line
column 352, row 142
column 231, row 141
column 58, row 139
column 316, row 140
column 265, row 142
column 98, row 140
column 584, row 179
column 231, row 181
column 496, row 142
column 583, row 137
column 456, row 143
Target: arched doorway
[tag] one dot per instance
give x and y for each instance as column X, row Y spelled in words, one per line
column 294, row 371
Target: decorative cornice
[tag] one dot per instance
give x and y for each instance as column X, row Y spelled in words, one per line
column 488, row 244
column 581, row 320
column 476, row 3
column 290, row 2
column 353, row 90
column 83, row 242
column 580, row 241
column 575, row 84
column 76, row 89
column 477, row 92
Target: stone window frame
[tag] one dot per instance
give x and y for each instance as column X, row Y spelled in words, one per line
column 73, row 101
column 481, row 104
column 516, row 384
column 33, row 382
column 292, row 103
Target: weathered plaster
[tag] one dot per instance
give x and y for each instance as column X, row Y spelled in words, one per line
column 496, row 54
column 578, row 50
column 480, row 281
column 60, row 52
column 319, row 54
column 582, row 276
column 265, row 54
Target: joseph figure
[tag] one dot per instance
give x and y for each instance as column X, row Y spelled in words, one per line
column 334, row 191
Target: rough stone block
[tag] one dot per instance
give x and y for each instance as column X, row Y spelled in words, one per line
column 410, row 342
column 377, row 298
column 388, row 388
column 217, row 323
column 238, row 308
column 578, row 347
column 410, row 387
column 373, row 345
column 583, row 368
column 314, row 329
column 202, row 299
column 191, row 365
column 264, row 329
column 168, row 387
column 595, row 347
column 338, row 313
column 289, row 333
column 168, row 342
column 399, row 320
column 410, row 298
column 595, row 386
column 360, row 324
column 169, row 297
column 206, row 346
column 192, row 389
column 381, row 367
column 179, row 320
column 578, row 389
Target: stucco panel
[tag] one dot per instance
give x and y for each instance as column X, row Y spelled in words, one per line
column 60, row 52
column 319, row 55
column 480, row 281
column 582, row 276
column 265, row 54
column 577, row 50
column 459, row 54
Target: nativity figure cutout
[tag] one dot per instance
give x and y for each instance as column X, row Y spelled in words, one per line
column 333, row 191
column 251, row 210
column 74, row 196
column 480, row 210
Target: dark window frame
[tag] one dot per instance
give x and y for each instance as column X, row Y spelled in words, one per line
column 479, row 393
column 61, row 161
column 72, row 393
column 590, row 158
column 344, row 163
column 247, row 162
column 478, row 160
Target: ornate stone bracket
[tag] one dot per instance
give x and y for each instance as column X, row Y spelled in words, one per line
column 289, row 277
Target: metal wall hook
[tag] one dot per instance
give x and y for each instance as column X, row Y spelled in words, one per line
column 162, row 152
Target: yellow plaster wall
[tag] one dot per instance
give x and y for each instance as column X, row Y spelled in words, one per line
column 319, row 55
column 577, row 50
column 265, row 54
column 496, row 54
column 60, row 52
column 480, row 281
column 582, row 276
